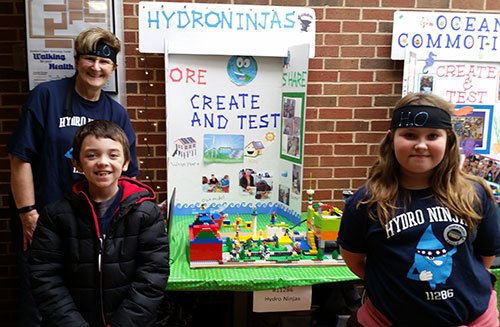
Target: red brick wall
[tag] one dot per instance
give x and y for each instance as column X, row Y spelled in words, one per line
column 352, row 85
column 13, row 87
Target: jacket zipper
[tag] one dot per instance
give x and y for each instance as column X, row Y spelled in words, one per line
column 99, row 263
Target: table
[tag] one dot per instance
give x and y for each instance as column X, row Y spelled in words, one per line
column 182, row 277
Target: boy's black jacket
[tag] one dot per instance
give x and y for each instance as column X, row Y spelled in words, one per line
column 67, row 284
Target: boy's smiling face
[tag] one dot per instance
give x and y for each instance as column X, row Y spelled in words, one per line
column 102, row 161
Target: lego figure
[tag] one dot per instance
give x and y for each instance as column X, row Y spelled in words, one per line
column 273, row 218
column 234, row 255
column 237, row 223
column 264, row 251
column 296, row 250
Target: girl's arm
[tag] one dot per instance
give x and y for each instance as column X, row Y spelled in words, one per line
column 355, row 261
column 488, row 261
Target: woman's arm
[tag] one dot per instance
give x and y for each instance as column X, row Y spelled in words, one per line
column 23, row 190
column 355, row 262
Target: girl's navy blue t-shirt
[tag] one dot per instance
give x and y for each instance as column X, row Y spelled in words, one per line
column 424, row 268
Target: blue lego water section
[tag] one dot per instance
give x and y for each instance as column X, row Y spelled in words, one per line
column 241, row 208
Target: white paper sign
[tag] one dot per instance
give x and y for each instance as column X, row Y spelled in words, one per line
column 450, row 35
column 224, row 29
column 283, row 299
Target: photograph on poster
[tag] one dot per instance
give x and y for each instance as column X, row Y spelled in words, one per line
column 247, row 180
column 263, row 186
column 470, row 130
column 291, row 126
column 288, row 107
column 223, row 148
column 296, row 179
column 284, row 194
column 296, row 126
column 483, row 167
column 210, row 183
column 426, row 83
column 255, row 183
column 288, row 123
column 292, row 147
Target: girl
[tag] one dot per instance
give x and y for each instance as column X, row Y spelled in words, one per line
column 420, row 232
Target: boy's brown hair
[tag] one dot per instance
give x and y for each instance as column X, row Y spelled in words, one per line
column 100, row 129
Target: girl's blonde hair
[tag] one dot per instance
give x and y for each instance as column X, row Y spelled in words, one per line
column 451, row 187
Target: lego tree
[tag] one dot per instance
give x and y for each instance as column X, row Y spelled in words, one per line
column 276, row 242
column 229, row 244
column 243, row 256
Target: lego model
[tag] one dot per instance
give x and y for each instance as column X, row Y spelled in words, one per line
column 323, row 224
column 205, row 242
column 216, row 241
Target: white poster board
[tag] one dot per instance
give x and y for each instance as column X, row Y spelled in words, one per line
column 224, row 29
column 451, row 35
column 236, row 78
column 224, row 132
column 472, row 86
column 51, row 27
column 455, row 55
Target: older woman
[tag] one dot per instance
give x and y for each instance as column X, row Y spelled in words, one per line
column 40, row 147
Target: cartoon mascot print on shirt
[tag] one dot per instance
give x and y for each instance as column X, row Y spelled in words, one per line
column 433, row 263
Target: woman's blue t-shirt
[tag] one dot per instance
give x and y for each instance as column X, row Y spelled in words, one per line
column 44, row 137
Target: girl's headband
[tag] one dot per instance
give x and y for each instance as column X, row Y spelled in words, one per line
column 103, row 50
column 420, row 116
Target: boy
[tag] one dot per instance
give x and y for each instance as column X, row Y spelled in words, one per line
column 99, row 256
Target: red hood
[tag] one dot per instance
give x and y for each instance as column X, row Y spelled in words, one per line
column 130, row 186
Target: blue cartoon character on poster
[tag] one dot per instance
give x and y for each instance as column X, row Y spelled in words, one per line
column 241, row 69
column 433, row 263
